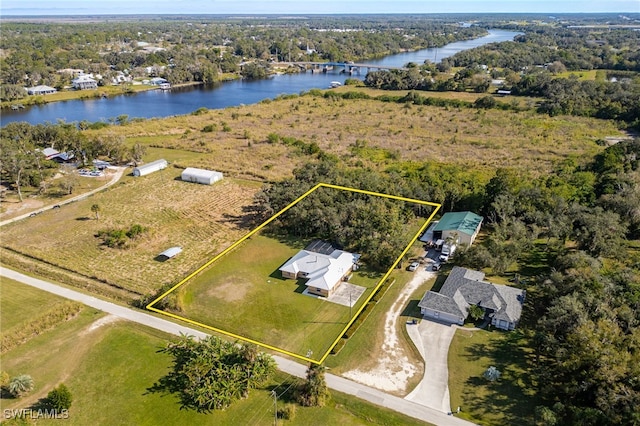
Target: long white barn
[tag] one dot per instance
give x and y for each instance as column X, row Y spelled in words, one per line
column 205, row 177
column 149, row 168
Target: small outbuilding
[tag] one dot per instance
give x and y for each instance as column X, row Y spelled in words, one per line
column 205, row 177
column 170, row 252
column 149, row 168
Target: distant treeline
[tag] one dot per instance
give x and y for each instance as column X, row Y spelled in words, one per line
column 203, row 49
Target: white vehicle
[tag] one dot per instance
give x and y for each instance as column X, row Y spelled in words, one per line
column 446, row 252
column 413, row 266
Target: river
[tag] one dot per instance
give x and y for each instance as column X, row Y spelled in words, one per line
column 179, row 101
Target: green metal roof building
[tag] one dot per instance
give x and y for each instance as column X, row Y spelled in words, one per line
column 466, row 225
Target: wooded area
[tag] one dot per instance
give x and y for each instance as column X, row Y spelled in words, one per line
column 583, row 304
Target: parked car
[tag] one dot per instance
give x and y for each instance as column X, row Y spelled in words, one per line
column 413, row 266
column 436, row 266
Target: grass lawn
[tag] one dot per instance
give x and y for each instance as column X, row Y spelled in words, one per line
column 109, row 371
column 510, row 400
column 19, row 303
column 243, row 293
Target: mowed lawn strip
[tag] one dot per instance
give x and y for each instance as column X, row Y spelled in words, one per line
column 243, row 293
column 19, row 303
column 511, row 399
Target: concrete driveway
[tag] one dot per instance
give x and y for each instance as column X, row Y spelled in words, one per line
column 432, row 340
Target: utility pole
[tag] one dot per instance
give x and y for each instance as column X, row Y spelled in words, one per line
column 275, row 407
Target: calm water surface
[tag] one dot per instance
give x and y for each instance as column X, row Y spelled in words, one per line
column 178, row 101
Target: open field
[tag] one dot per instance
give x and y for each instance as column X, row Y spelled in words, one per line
column 484, row 139
column 509, row 400
column 202, row 219
column 109, row 367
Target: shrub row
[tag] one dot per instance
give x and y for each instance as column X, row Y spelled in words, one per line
column 46, row 321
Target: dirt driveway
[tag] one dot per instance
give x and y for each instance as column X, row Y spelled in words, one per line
column 432, row 340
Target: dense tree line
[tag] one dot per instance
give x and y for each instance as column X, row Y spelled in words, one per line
column 601, row 99
column 202, row 49
column 584, row 314
column 576, row 48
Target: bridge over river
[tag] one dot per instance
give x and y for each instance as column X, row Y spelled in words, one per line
column 348, row 67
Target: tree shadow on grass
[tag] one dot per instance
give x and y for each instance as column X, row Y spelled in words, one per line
column 242, row 221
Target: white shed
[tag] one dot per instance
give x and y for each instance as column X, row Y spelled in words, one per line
column 151, row 167
column 205, row 177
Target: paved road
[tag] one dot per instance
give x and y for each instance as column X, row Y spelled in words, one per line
column 334, row 382
column 116, row 177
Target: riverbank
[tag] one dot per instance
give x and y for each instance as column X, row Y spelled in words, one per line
column 100, row 92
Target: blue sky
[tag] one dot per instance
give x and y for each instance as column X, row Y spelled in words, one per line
column 89, row 7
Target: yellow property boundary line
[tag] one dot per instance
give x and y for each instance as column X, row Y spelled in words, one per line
column 268, row 221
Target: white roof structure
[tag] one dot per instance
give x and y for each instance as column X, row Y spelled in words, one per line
column 84, row 78
column 171, row 252
column 191, row 174
column 151, row 167
column 324, row 271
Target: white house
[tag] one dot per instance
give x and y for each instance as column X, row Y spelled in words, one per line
column 205, row 177
column 323, row 266
column 41, row 90
column 83, row 82
column 158, row 81
column 149, row 168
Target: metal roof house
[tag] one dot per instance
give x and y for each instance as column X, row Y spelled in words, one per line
column 41, row 90
column 466, row 287
column 205, row 177
column 466, row 226
column 149, row 168
column 83, row 82
column 323, row 267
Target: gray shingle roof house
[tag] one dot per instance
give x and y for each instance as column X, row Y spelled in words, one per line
column 466, row 287
column 465, row 225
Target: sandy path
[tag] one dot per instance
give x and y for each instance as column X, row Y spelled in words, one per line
column 394, row 368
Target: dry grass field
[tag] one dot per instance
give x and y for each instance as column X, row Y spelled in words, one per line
column 483, row 139
column 201, row 219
